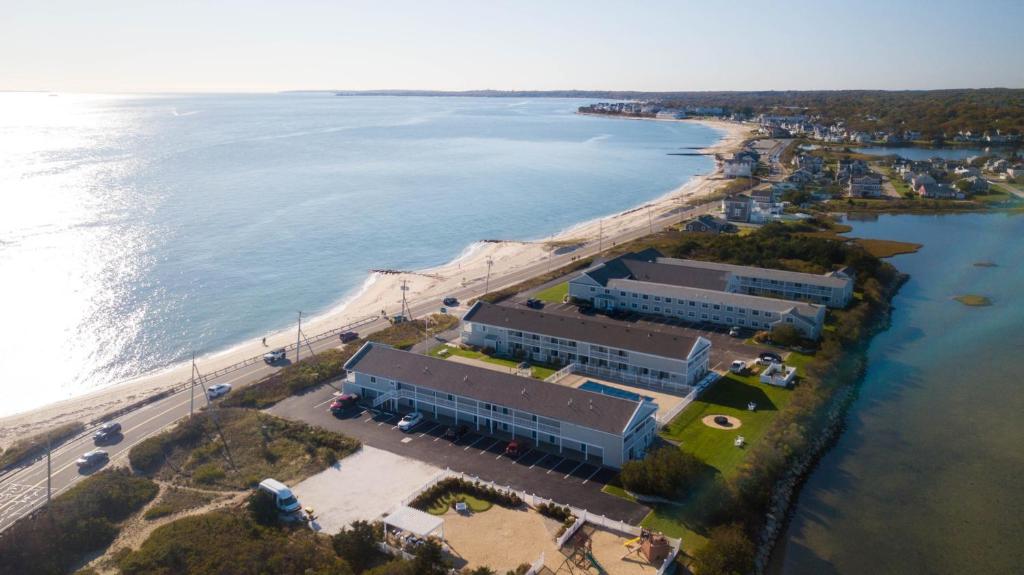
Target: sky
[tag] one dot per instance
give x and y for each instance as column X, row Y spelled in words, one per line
column 258, row 45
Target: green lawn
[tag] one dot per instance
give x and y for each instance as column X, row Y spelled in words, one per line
column 554, row 294
column 539, row 372
column 442, row 505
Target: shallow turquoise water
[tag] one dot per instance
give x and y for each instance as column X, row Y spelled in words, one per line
column 928, row 475
column 137, row 229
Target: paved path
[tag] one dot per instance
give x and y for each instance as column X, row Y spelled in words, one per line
column 24, row 490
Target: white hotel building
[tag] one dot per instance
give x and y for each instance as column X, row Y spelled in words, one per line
column 724, row 294
column 594, row 427
column 666, row 358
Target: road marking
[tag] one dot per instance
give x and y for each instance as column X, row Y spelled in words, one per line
column 484, row 450
column 535, row 463
column 479, row 439
column 528, row 451
column 432, row 428
column 596, row 471
column 560, row 460
column 573, row 470
column 323, row 403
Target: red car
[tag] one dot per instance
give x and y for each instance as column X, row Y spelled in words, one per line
column 512, row 449
column 343, row 402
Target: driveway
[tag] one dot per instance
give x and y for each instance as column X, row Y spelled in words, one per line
column 550, row 475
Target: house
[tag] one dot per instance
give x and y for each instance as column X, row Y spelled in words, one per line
column 668, row 358
column 779, row 188
column 711, row 292
column 846, row 169
column 812, row 164
column 867, row 186
column 1015, row 171
column 978, row 185
column 709, row 224
column 737, row 168
column 591, row 426
column 800, row 176
column 937, row 191
column 918, row 180
column 966, row 171
column 764, row 205
column 737, row 208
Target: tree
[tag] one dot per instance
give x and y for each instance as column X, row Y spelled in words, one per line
column 728, row 552
column 262, row 507
column 357, row 545
column 430, row 560
column 665, row 472
column 483, row 570
column 786, row 335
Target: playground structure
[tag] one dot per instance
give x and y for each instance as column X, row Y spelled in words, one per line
column 652, row 547
column 581, row 555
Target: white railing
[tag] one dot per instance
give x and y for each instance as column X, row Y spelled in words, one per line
column 384, row 398
column 567, row 370
column 666, row 566
column 580, row 520
column 537, row 565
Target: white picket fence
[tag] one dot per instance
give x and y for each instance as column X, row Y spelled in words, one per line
column 537, row 566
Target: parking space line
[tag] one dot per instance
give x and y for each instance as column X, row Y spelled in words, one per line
column 484, row 450
column 528, row 451
column 432, row 428
column 560, row 460
column 535, row 463
column 481, row 438
column 573, row 470
column 323, row 403
column 596, row 471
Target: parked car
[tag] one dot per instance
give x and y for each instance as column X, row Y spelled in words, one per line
column 107, row 431
column 92, row 458
column 348, row 336
column 274, row 356
column 410, row 421
column 455, row 433
column 218, row 390
column 343, row 402
column 769, row 357
column 738, row 366
column 534, row 303
column 512, row 449
column 734, row 331
column 450, row 302
column 284, row 499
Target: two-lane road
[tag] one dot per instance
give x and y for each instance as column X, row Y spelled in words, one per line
column 24, row 490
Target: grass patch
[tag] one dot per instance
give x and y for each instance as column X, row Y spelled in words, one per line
column 445, row 351
column 441, row 505
column 974, row 300
column 729, row 396
column 257, row 446
column 35, row 445
column 78, row 523
column 887, row 248
column 554, row 294
column 617, row 491
column 175, row 500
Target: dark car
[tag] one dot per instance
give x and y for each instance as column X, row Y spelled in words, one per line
column 107, row 431
column 534, row 303
column 450, row 301
column 770, row 356
column 343, row 402
column 456, row 433
column 348, row 336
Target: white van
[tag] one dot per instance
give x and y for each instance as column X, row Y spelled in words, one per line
column 283, row 497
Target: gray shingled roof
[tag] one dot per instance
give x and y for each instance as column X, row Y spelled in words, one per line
column 697, row 277
column 584, row 408
column 619, row 335
column 808, row 310
column 751, row 271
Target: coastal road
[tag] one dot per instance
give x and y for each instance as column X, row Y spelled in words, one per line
column 24, row 490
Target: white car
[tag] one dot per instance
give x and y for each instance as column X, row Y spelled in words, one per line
column 410, row 421
column 90, row 458
column 274, row 356
column 738, row 366
column 218, row 390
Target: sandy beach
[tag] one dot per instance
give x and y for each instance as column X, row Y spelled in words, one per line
column 381, row 292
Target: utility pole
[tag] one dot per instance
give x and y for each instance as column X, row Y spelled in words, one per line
column 487, row 282
column 650, row 218
column 600, row 236
column 192, row 388
column 298, row 339
column 406, row 315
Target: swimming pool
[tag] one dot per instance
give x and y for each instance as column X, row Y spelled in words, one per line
column 613, row 391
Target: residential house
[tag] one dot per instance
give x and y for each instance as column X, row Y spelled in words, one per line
column 709, row 224
column 866, row 186
column 938, row 191
column 737, row 168
column 737, row 208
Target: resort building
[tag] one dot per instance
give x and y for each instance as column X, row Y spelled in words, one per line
column 666, row 359
column 589, row 425
column 725, row 294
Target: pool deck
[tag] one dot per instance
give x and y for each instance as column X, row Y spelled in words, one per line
column 665, row 400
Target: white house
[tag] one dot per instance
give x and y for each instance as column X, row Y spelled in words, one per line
column 737, row 168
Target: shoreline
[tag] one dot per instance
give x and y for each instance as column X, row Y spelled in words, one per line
column 380, row 292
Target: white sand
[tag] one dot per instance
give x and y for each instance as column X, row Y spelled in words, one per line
column 381, row 293
column 365, row 485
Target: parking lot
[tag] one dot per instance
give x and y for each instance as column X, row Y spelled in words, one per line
column 554, row 476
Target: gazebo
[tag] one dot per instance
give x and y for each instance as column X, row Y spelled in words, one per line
column 414, row 521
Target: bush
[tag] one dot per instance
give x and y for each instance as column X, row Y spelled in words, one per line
column 728, row 552
column 666, row 472
column 76, row 524
column 262, row 507
column 209, row 473
column 148, row 455
column 35, row 446
column 786, row 335
column 453, row 485
column 357, row 544
column 556, row 512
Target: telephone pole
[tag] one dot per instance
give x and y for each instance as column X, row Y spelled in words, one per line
column 49, row 482
column 650, row 218
column 298, row 339
column 487, row 282
column 405, row 302
column 192, row 388
column 600, row 236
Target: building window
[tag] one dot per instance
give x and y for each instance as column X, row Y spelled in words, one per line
column 373, row 379
column 645, row 296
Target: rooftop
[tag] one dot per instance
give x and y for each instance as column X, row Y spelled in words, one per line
column 607, row 333
column 580, row 407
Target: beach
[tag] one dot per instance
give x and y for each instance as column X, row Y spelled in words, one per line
column 381, row 293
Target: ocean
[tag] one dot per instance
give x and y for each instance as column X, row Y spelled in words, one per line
column 140, row 228
column 926, row 477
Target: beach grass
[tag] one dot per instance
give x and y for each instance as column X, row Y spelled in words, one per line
column 175, row 500
column 441, row 505
column 974, row 300
column 35, row 445
column 554, row 294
